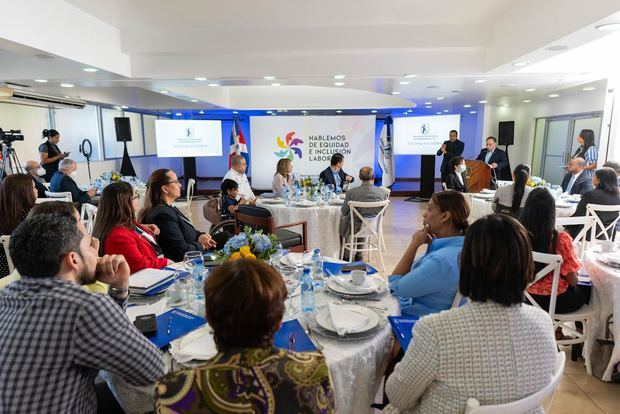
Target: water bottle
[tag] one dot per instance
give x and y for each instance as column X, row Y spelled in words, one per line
column 307, row 292
column 287, row 197
column 317, row 268
column 200, row 275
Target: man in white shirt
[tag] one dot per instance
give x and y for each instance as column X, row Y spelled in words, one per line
column 237, row 174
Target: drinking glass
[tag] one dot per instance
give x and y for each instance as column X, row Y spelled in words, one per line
column 291, row 281
column 331, row 188
column 183, row 284
column 194, row 262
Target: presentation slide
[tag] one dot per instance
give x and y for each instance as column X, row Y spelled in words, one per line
column 187, row 138
column 423, row 135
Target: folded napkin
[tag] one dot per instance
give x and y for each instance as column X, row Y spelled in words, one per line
column 197, row 345
column 369, row 286
column 298, row 259
column 344, row 320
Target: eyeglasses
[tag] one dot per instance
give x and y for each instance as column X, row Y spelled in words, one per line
column 173, row 182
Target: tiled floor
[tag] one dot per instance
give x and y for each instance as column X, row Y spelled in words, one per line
column 577, row 393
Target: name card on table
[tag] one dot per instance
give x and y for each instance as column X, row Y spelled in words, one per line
column 402, row 327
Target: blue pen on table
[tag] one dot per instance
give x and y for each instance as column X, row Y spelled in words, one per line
column 169, row 326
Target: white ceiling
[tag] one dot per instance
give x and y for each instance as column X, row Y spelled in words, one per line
column 144, row 46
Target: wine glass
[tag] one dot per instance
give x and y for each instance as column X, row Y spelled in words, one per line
column 331, row 188
column 289, row 275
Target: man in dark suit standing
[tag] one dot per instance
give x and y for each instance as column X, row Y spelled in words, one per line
column 451, row 148
column 335, row 175
column 493, row 157
column 574, row 181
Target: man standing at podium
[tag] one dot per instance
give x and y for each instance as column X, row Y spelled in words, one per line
column 494, row 157
column 450, row 149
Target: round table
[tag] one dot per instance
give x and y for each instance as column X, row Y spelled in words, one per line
column 323, row 224
column 606, row 280
column 480, row 207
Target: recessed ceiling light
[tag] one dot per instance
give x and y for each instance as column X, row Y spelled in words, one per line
column 194, row 100
column 556, row 48
column 472, row 112
column 339, row 76
column 404, row 82
column 41, row 80
column 178, row 114
column 200, row 78
column 446, row 110
column 374, row 111
column 438, row 113
column 118, row 108
column 395, row 93
column 553, row 95
column 168, row 113
column 480, row 81
column 456, row 91
column 410, row 75
column 164, row 91
column 428, row 103
column 433, row 87
column 269, row 112
column 410, row 110
column 275, row 84
column 67, row 97
column 67, row 85
column 124, row 107
column 467, row 106
column 530, row 90
column 273, row 113
column 428, row 106
column 440, row 98
column 201, row 112
column 269, row 77
column 505, row 105
column 304, row 112
column 338, row 111
column 507, row 85
column 520, row 63
column 235, row 112
column 589, row 88
column 526, row 101
column 338, row 83
column 608, row 26
column 90, row 70
column 482, row 102
column 214, row 84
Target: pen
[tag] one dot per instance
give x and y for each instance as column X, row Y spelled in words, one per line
column 169, row 326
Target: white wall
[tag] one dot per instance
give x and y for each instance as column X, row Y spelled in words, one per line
column 525, row 116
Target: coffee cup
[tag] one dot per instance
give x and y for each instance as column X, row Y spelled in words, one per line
column 358, row 277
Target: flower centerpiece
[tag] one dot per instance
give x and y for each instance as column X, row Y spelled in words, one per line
column 535, row 182
column 113, row 177
column 251, row 244
column 311, row 185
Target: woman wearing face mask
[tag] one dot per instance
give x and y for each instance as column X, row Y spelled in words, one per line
column 50, row 153
column 454, row 179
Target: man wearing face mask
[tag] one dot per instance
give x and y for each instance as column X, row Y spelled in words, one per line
column 63, row 180
column 36, row 172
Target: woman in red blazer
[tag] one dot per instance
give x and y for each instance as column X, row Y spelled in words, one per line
column 119, row 233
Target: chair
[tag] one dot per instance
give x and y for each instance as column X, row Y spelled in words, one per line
column 444, row 186
column 370, row 234
column 189, row 195
column 585, row 314
column 212, row 211
column 61, row 196
column 261, row 219
column 88, row 216
column 607, row 231
column 524, row 404
column 580, row 241
column 4, row 241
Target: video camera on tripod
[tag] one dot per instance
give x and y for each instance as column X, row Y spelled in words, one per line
column 7, row 137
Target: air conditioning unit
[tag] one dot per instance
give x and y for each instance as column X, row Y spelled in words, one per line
column 26, row 97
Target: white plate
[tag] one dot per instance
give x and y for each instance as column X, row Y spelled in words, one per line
column 487, row 191
column 370, row 281
column 336, row 201
column 484, row 196
column 305, row 203
column 324, row 319
column 612, row 258
column 269, row 195
column 277, row 200
column 561, row 204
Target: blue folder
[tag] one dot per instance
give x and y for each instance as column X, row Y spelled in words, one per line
column 303, row 343
column 182, row 324
column 336, row 268
column 402, row 326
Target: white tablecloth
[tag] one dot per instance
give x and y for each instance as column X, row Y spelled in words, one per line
column 606, row 280
column 480, row 208
column 323, row 224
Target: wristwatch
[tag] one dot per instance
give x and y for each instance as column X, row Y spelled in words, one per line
column 119, row 293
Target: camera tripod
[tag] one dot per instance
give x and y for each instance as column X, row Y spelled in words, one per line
column 10, row 161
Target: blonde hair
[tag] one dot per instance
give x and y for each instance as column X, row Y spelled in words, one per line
column 282, row 167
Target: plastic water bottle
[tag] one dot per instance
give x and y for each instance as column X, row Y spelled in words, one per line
column 307, row 292
column 317, row 268
column 200, row 274
column 287, row 197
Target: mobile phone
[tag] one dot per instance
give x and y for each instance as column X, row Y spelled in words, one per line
column 147, row 324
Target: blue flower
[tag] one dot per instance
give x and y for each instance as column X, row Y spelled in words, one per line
column 261, row 243
column 235, row 243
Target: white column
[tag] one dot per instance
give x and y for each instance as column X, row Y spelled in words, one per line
column 609, row 143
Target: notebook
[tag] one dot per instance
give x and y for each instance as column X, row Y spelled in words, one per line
column 402, row 326
column 180, row 323
column 336, row 268
column 146, row 280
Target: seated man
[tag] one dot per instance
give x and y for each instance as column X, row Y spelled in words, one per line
column 36, row 172
column 237, row 173
column 56, row 335
column 365, row 192
column 574, row 181
column 335, row 175
column 63, row 180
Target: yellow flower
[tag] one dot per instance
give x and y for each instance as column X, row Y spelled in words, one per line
column 250, row 256
column 235, row 256
column 245, row 250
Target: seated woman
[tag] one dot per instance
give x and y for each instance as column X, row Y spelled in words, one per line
column 510, row 199
column 119, row 233
column 282, row 179
column 429, row 284
column 248, row 374
column 18, row 195
column 538, row 217
column 454, row 179
column 177, row 234
column 605, row 192
column 485, row 348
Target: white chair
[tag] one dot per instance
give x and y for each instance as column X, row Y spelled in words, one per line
column 186, row 205
column 88, row 216
column 585, row 314
column 370, row 234
column 444, row 186
column 526, row 404
column 383, row 246
column 60, row 196
column 4, row 241
column 458, row 298
column 608, row 231
column 580, row 241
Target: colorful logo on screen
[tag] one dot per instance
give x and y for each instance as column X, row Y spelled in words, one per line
column 290, row 148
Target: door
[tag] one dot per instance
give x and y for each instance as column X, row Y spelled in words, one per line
column 555, row 156
column 593, row 123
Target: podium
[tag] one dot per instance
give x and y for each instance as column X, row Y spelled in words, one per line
column 478, row 176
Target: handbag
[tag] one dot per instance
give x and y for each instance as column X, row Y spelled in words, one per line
column 601, row 353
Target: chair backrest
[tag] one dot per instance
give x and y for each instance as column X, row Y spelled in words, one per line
column 4, row 241
column 606, row 231
column 256, row 217
column 444, row 186
column 191, row 184
column 89, row 215
column 552, row 263
column 458, row 298
column 580, row 241
column 370, row 226
column 526, row 404
column 63, row 195
column 387, row 190
column 212, row 210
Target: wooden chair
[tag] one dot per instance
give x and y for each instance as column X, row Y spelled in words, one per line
column 261, row 219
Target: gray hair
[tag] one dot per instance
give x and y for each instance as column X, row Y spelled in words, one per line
column 66, row 163
column 366, row 174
